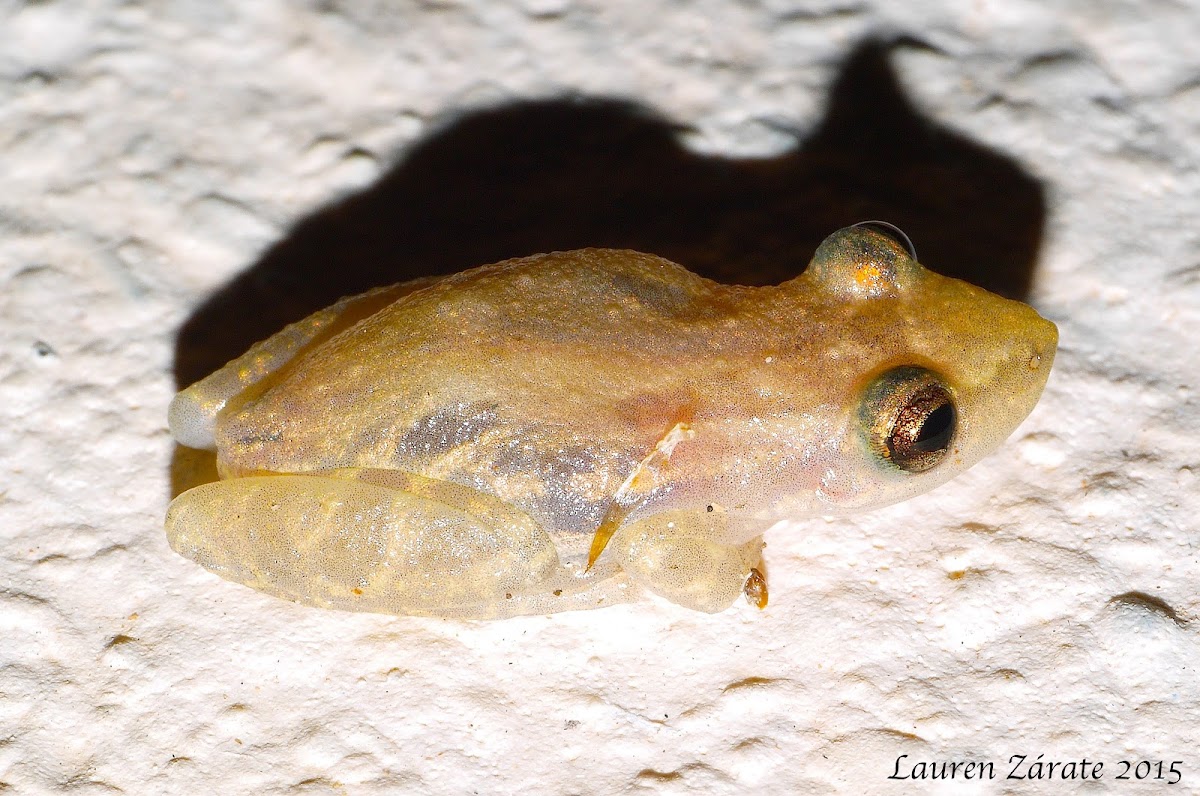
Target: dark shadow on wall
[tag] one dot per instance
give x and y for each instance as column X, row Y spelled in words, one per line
column 567, row 173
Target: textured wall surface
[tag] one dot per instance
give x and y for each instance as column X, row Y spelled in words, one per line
column 180, row 179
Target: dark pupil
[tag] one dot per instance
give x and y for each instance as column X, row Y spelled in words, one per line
column 937, row 429
column 923, row 430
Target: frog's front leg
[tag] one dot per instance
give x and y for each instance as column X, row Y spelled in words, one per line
column 677, row 555
column 370, row 540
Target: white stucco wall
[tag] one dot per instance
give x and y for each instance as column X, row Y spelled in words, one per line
column 1045, row 603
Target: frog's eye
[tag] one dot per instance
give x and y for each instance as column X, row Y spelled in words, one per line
column 870, row 260
column 909, row 418
column 892, row 231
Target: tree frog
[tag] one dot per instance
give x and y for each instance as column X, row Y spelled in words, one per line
column 574, row 429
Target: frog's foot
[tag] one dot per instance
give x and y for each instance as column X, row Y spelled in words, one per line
column 369, row 540
column 672, row 554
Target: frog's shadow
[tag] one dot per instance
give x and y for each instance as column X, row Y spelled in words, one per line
column 567, row 173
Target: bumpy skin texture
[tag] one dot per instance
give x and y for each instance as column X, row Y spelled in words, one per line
column 458, row 446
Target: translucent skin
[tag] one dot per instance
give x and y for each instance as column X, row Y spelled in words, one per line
column 453, row 447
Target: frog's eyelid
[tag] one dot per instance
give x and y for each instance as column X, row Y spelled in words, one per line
column 892, row 231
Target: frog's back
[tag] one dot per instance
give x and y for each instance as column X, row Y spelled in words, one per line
column 557, row 315
column 610, row 297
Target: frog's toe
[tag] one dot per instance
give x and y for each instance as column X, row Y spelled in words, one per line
column 672, row 555
column 348, row 544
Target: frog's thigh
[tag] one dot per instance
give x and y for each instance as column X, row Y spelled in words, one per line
column 672, row 555
column 192, row 415
column 344, row 543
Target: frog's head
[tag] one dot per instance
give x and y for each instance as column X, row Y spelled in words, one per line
column 934, row 373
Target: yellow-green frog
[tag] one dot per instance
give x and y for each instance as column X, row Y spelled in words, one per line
column 568, row 430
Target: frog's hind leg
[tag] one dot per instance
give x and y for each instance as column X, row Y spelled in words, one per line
column 365, row 540
column 674, row 555
column 193, row 413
